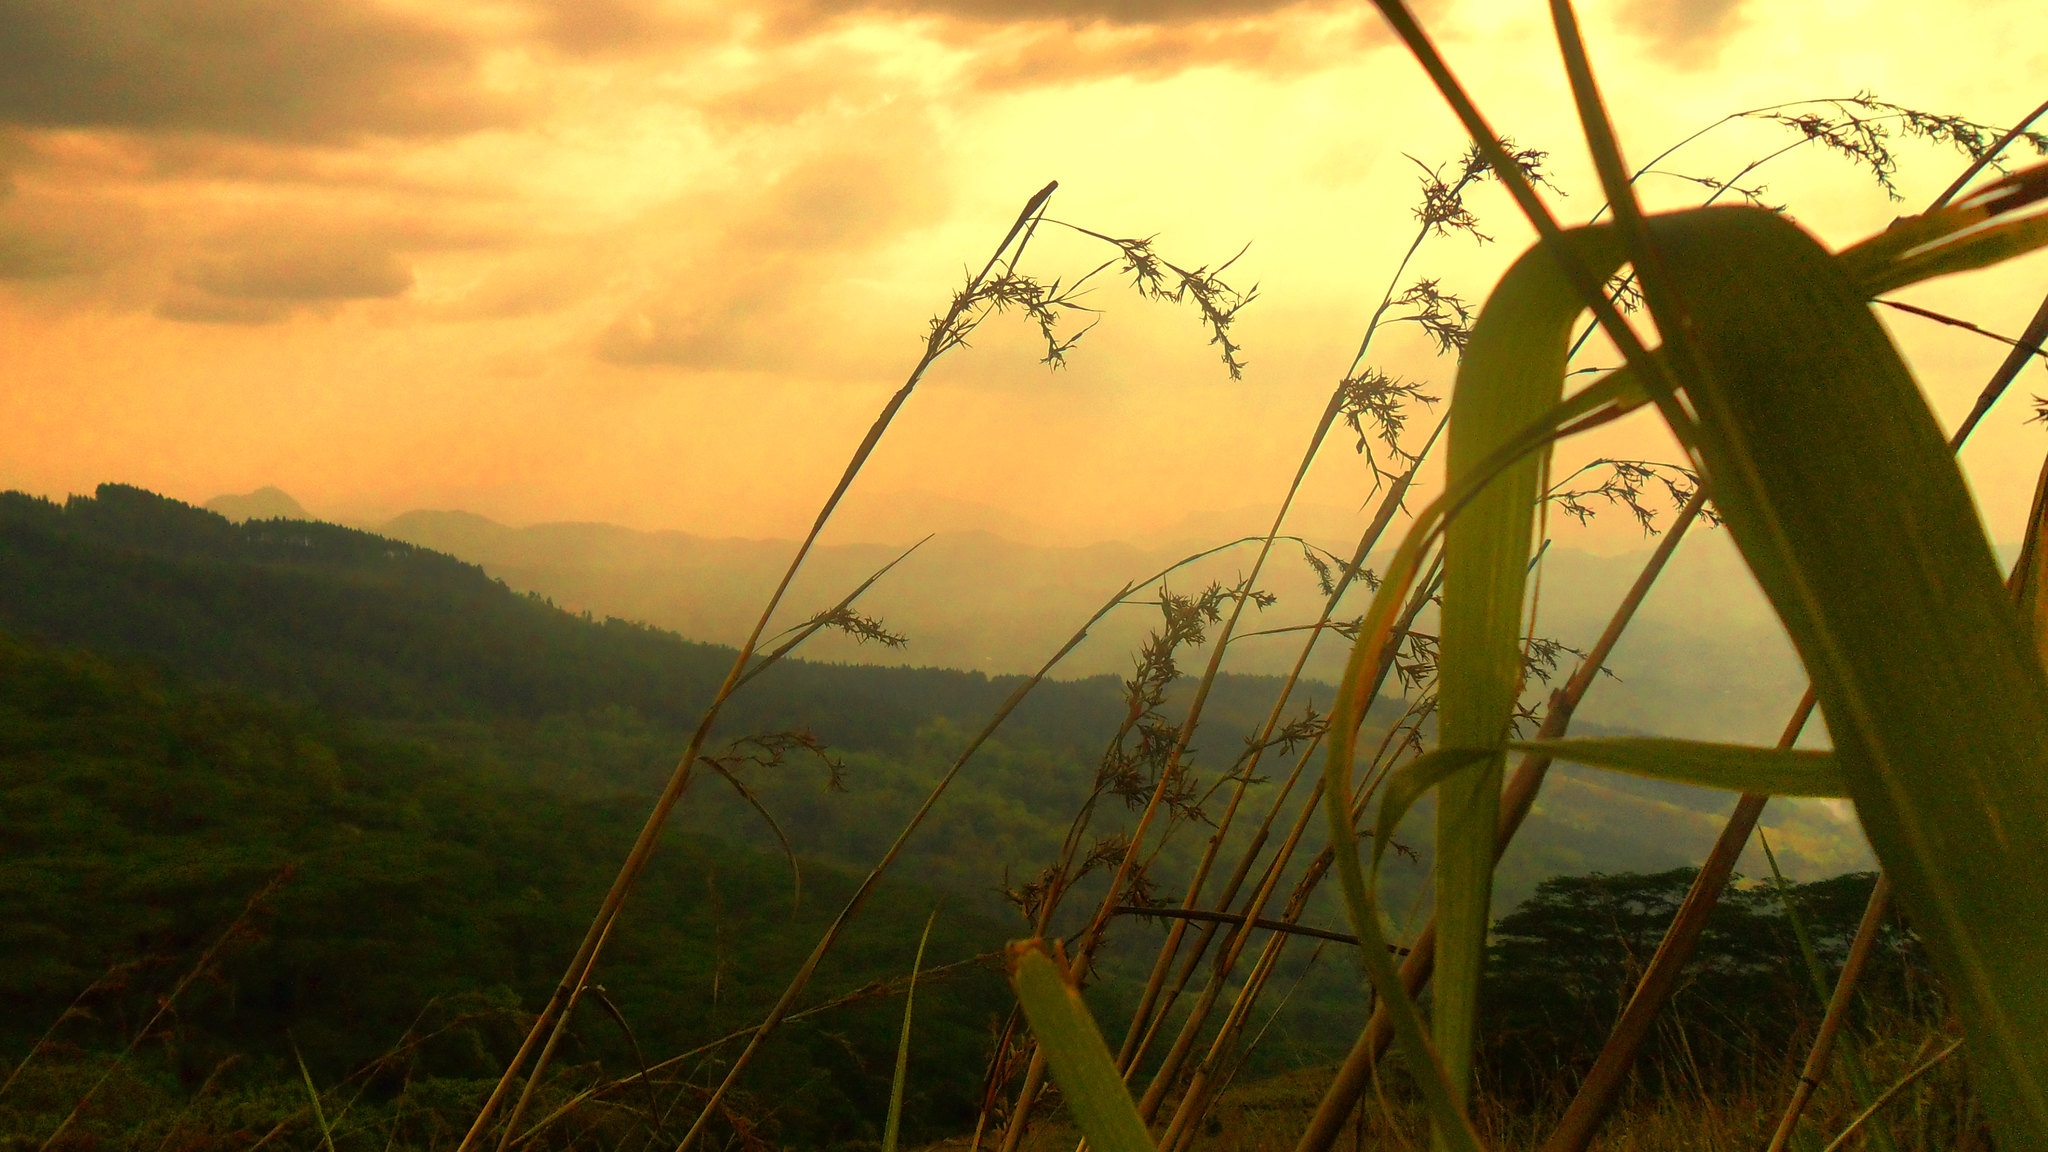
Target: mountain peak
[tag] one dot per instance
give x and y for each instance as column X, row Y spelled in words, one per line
column 266, row 503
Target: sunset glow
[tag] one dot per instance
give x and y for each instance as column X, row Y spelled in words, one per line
column 657, row 264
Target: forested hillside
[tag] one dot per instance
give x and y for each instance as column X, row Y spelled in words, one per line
column 438, row 776
column 414, row 891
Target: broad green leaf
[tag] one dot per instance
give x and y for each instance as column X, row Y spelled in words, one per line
column 1839, row 488
column 1734, row 767
column 1976, row 233
column 1507, row 403
column 1512, row 373
column 893, row 1127
column 1074, row 1048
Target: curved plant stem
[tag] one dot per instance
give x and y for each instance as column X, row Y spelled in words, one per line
column 1904, row 1083
column 1355, row 1075
column 945, row 335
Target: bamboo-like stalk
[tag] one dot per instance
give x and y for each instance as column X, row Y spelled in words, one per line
column 1874, row 913
column 945, row 335
column 1354, row 1075
column 1603, row 1083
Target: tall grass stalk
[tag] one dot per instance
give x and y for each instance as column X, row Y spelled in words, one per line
column 1433, row 219
column 946, row 334
column 1875, row 911
column 1355, row 1074
column 167, row 1002
column 784, row 1005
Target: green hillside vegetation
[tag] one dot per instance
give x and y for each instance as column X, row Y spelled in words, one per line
column 418, row 888
column 443, row 773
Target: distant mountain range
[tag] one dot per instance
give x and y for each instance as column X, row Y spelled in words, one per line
column 1704, row 657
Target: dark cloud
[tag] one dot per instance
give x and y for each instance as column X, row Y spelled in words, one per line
column 1687, row 32
column 609, row 27
column 1055, row 55
column 1066, row 41
column 32, row 255
column 290, row 69
column 264, row 284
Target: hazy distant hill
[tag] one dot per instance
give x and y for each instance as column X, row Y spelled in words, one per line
column 266, row 503
column 371, row 626
column 1704, row 658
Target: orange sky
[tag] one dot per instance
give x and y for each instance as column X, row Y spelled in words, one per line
column 658, row 263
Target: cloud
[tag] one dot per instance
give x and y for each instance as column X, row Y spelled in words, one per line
column 1046, row 54
column 1687, row 32
column 286, row 69
column 1063, row 41
column 1079, row 12
column 611, row 27
column 744, row 300
column 46, row 236
column 266, row 284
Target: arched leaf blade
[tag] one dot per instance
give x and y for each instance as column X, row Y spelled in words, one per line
column 1730, row 767
column 1075, row 1050
column 1841, row 493
column 1512, row 372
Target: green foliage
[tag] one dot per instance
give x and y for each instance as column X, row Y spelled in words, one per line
column 1561, row 965
column 138, row 815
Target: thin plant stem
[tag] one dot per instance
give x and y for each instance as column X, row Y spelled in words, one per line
column 1390, row 504
column 164, row 1005
column 1355, row 1075
column 1905, row 1082
column 1988, row 158
column 802, row 979
column 1875, row 911
column 946, row 333
column 70, row 1010
column 1235, row 943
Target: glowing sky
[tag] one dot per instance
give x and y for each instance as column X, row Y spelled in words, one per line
column 658, row 263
